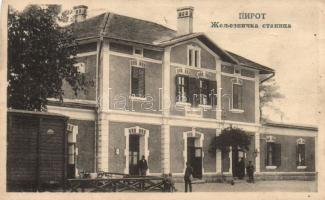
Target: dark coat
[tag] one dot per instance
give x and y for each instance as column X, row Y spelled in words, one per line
column 143, row 165
column 250, row 169
column 188, row 173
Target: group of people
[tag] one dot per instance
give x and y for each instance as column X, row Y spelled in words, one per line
column 249, row 169
column 188, row 176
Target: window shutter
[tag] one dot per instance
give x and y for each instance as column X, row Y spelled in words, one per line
column 212, row 90
column 240, row 96
column 141, row 82
column 134, row 81
column 235, row 96
column 177, row 93
column 267, row 153
column 193, row 91
column 277, row 154
column 297, row 154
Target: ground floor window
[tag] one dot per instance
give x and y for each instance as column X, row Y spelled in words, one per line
column 301, row 152
column 273, row 154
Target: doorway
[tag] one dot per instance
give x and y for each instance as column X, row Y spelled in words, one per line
column 134, row 151
column 238, row 169
column 194, row 156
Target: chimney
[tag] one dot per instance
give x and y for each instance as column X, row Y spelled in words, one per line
column 185, row 20
column 80, row 13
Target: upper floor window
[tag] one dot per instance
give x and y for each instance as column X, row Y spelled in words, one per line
column 203, row 91
column 195, row 91
column 237, row 96
column 301, row 152
column 194, row 56
column 182, row 88
column 138, row 51
column 137, row 81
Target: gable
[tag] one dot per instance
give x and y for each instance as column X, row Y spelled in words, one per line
column 179, row 54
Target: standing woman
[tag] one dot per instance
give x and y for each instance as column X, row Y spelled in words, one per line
column 188, row 176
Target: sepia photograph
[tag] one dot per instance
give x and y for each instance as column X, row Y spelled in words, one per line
column 161, row 97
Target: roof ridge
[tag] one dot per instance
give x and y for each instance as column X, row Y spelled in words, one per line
column 147, row 21
column 104, row 24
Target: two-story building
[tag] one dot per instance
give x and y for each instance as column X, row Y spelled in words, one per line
column 166, row 94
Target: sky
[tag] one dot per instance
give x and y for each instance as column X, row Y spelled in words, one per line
column 293, row 53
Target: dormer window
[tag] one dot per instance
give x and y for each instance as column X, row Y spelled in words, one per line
column 138, row 51
column 194, row 56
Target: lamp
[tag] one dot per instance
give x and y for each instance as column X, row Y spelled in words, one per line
column 256, row 152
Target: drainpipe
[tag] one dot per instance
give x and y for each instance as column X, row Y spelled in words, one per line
column 98, row 103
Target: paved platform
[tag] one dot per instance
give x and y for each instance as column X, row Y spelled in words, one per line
column 258, row 186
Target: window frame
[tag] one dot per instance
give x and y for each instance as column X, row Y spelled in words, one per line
column 193, row 58
column 201, row 91
column 185, row 86
column 271, row 140
column 138, row 48
column 133, row 95
column 240, row 108
column 301, row 164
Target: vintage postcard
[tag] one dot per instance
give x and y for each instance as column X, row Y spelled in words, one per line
column 162, row 99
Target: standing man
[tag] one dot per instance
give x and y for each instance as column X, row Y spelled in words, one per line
column 250, row 171
column 143, row 166
column 188, row 176
column 241, row 168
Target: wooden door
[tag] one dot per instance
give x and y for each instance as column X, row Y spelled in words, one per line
column 134, row 154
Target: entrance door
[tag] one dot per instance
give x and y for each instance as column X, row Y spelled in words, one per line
column 238, row 168
column 194, row 157
column 134, row 154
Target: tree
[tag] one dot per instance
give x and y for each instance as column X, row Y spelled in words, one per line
column 231, row 137
column 41, row 54
column 269, row 91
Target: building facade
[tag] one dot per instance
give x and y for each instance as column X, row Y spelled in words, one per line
column 166, row 94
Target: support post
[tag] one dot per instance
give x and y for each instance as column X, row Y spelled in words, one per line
column 258, row 155
column 165, row 128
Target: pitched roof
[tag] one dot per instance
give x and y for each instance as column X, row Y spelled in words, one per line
column 121, row 27
column 248, row 63
column 130, row 29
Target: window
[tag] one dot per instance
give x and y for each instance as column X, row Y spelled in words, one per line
column 237, row 94
column 137, row 81
column 270, row 153
column 203, row 91
column 193, row 56
column 273, row 153
column 138, row 51
column 301, row 152
column 182, row 89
